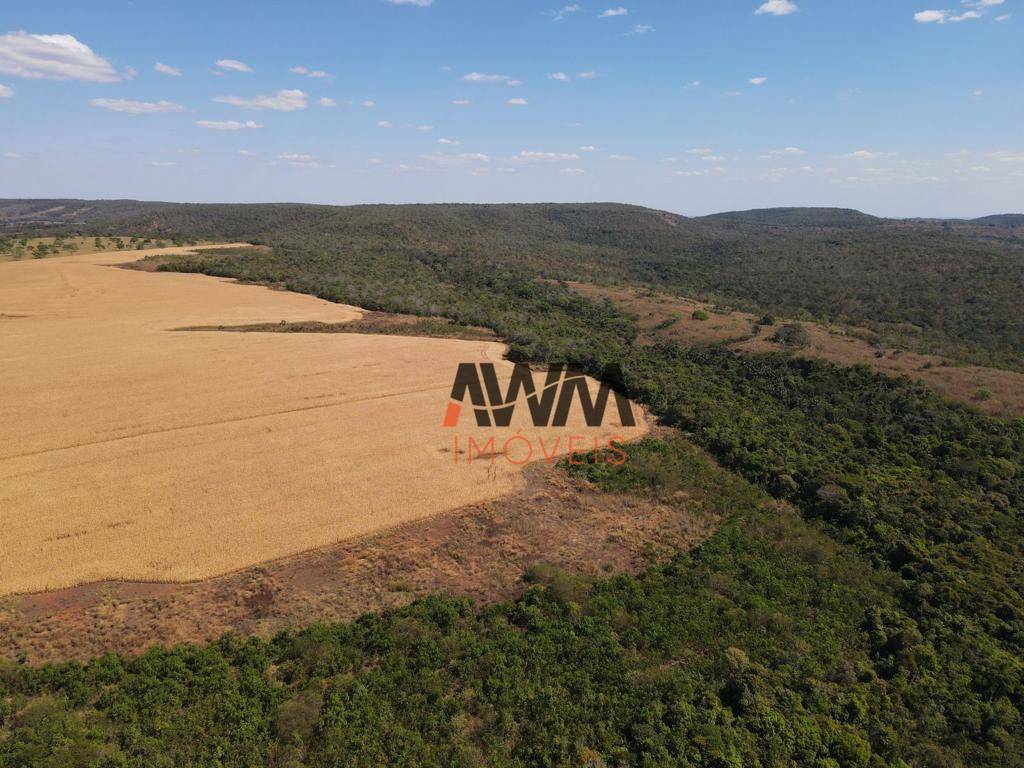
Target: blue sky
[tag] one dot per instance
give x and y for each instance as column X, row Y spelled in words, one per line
column 897, row 108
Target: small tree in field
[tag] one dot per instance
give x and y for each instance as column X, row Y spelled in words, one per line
column 792, row 335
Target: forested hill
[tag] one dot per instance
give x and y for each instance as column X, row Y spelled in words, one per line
column 950, row 287
column 800, row 217
column 1002, row 220
column 23, row 215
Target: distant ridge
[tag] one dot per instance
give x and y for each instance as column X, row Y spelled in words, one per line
column 946, row 286
column 1002, row 220
column 62, row 211
column 15, row 213
column 800, row 217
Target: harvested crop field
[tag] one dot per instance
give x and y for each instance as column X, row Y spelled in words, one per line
column 483, row 551
column 132, row 451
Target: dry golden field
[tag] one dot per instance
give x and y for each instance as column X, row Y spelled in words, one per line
column 129, row 450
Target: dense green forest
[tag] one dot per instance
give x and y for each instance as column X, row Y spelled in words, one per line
column 947, row 287
column 862, row 605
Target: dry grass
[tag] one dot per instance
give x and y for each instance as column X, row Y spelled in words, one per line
column 994, row 391
column 129, row 451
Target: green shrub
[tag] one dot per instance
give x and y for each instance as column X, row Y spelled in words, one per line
column 792, row 335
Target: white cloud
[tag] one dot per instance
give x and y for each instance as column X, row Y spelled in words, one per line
column 282, row 101
column 481, row 77
column 610, row 12
column 1004, row 17
column 449, row 142
column 461, row 102
column 228, row 125
column 518, row 102
column 246, row 152
column 299, row 160
column 777, row 8
column 564, row 11
column 12, row 155
column 862, row 154
column 455, row 161
column 367, row 104
column 233, row 65
column 587, row 75
column 1008, row 157
column 778, row 174
column 418, row 3
column 137, row 107
column 166, row 69
column 787, row 151
column 384, row 124
column 977, row 93
column 163, row 163
column 327, row 102
column 640, row 29
column 713, row 158
column 5, row 92
column 758, row 80
column 424, row 128
column 700, row 151
column 622, row 158
column 588, row 148
column 305, row 72
column 53, row 57
column 572, row 171
column 979, row 169
column 560, row 76
column 530, row 156
column 941, row 17
column 691, row 173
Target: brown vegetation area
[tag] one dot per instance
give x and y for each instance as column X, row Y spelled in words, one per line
column 994, row 391
column 386, row 323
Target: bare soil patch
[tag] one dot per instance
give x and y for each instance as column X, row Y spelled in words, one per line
column 994, row 391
